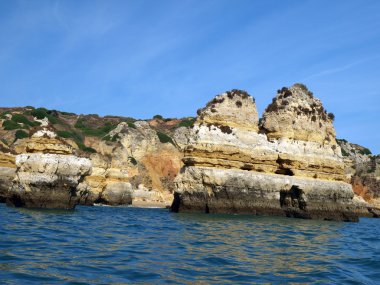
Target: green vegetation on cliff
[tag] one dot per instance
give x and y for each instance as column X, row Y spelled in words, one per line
column 97, row 131
column 77, row 127
column 164, row 138
column 187, row 123
column 20, row 134
column 365, row 151
column 9, row 125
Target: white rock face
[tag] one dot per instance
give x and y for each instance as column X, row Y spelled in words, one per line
column 206, row 189
column 48, row 180
column 43, row 133
column 53, row 164
column 140, row 141
column 118, row 193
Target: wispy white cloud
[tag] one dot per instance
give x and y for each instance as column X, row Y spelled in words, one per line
column 339, row 69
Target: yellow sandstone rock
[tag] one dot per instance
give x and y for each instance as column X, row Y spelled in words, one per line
column 291, row 159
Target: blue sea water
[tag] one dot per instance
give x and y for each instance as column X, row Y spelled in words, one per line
column 124, row 245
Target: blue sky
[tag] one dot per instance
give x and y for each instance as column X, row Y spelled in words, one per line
column 141, row 58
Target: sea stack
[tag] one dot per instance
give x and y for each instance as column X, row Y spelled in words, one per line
column 288, row 164
column 47, row 174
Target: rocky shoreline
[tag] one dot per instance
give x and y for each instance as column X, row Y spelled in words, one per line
column 226, row 160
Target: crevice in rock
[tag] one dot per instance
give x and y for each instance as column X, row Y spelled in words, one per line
column 293, row 199
column 15, row 201
column 282, row 170
column 100, row 200
column 176, row 203
column 207, row 209
column 285, row 171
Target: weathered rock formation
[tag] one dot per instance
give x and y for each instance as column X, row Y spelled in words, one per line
column 132, row 161
column 47, row 174
column 7, row 171
column 289, row 164
column 363, row 170
column 136, row 162
column 133, row 167
column 366, row 181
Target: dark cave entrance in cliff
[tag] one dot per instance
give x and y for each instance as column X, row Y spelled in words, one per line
column 285, row 171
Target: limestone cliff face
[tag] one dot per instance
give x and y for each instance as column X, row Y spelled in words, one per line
column 132, row 161
column 134, row 167
column 234, row 108
column 363, row 170
column 219, row 143
column 366, row 181
column 304, row 135
column 291, row 165
column 47, row 174
column 296, row 114
column 7, row 171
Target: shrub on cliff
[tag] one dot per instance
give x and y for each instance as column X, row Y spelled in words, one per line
column 91, row 131
column 72, row 135
column 371, row 170
column 39, row 113
column 164, row 138
column 67, row 113
column 187, row 123
column 108, row 138
column 9, row 125
column 131, row 125
column 4, row 114
column 365, row 151
column 88, row 149
column 78, row 140
column 331, row 116
column 158, row 117
column 20, row 134
column 85, row 148
column 42, row 113
column 18, row 118
column 345, row 153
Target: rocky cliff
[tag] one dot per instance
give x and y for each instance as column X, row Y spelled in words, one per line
column 132, row 162
column 363, row 170
column 280, row 164
column 288, row 164
column 366, row 181
column 47, row 174
column 7, row 171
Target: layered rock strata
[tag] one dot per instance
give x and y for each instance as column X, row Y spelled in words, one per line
column 47, row 174
column 7, row 171
column 289, row 164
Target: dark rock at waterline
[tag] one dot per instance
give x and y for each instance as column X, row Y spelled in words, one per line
column 240, row 192
column 44, row 196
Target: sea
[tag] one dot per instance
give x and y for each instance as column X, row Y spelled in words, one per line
column 126, row 245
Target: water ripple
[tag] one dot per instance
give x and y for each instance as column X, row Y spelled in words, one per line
column 104, row 245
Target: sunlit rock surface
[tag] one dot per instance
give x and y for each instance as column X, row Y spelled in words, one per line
column 47, row 174
column 288, row 164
